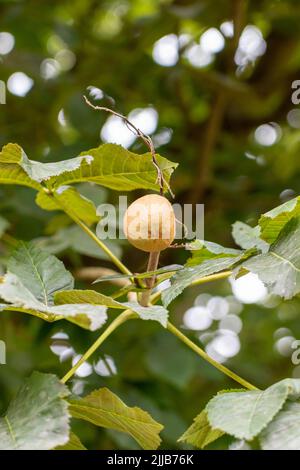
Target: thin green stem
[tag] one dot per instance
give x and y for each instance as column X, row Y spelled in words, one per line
column 207, row 358
column 91, row 234
column 122, row 318
column 212, row 277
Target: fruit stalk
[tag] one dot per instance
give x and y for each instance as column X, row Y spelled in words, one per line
column 152, row 266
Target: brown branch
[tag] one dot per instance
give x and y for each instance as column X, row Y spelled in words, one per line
column 145, row 138
column 203, row 170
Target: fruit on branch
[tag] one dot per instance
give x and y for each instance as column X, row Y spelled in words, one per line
column 149, row 223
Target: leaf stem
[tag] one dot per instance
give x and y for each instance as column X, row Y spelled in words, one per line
column 122, row 318
column 207, row 358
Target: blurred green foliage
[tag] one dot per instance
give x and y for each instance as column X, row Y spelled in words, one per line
column 212, row 113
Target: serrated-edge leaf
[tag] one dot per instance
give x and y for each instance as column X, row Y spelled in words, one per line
column 186, row 276
column 202, row 250
column 272, row 222
column 42, row 274
column 37, row 418
column 38, row 171
column 279, row 268
column 283, row 433
column 232, row 414
column 74, row 443
column 103, row 408
column 200, row 433
column 21, row 299
column 13, row 174
column 248, row 237
column 70, row 199
column 156, row 312
column 117, row 168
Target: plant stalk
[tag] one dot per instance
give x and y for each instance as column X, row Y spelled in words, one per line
column 152, row 266
column 122, row 318
column 203, row 280
column 207, row 358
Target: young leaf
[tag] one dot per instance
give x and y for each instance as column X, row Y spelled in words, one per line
column 114, row 167
column 244, row 415
column 37, row 418
column 248, row 237
column 91, row 297
column 273, row 221
column 72, row 200
column 279, row 269
column 283, row 433
column 103, row 408
column 200, row 433
column 73, row 443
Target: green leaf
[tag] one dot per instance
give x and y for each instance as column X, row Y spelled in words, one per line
column 156, row 312
column 203, row 251
column 109, row 165
column 73, row 443
column 37, row 171
column 273, row 221
column 114, row 167
column 37, row 418
column 22, row 300
column 103, row 408
column 31, row 283
column 200, row 433
column 186, row 276
column 42, row 274
column 77, row 296
column 244, row 415
column 70, row 199
column 248, row 237
column 13, row 174
column 279, row 269
column 283, row 433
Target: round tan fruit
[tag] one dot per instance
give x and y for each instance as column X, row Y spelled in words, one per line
column 149, row 223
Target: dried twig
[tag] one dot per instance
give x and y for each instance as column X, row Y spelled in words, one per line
column 145, row 138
